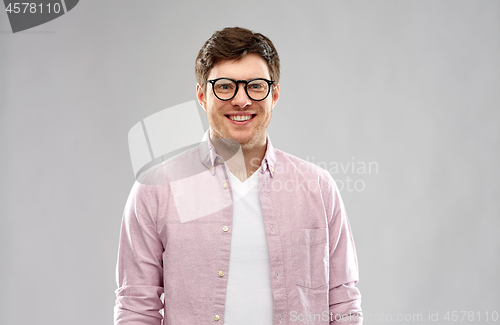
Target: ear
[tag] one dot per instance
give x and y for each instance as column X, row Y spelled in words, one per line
column 276, row 94
column 201, row 96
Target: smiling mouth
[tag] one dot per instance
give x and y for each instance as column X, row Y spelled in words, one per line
column 240, row 118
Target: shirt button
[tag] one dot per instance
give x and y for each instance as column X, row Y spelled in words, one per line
column 272, row 170
column 225, row 228
column 216, row 317
column 221, row 273
column 224, row 185
column 219, row 160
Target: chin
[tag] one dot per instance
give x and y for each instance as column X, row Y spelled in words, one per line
column 239, row 136
column 242, row 140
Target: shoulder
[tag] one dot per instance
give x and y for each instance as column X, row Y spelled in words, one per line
column 289, row 163
column 165, row 170
column 153, row 185
column 313, row 180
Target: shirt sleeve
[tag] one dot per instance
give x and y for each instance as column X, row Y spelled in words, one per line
column 139, row 270
column 344, row 297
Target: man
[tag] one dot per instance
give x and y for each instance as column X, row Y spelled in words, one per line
column 235, row 231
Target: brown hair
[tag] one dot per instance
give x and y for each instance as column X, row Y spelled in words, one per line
column 233, row 43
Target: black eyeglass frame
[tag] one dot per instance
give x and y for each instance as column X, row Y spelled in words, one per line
column 237, row 82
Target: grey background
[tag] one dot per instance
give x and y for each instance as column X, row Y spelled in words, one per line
column 411, row 85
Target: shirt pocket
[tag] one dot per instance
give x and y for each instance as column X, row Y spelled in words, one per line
column 310, row 256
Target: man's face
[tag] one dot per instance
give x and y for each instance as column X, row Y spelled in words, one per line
column 248, row 133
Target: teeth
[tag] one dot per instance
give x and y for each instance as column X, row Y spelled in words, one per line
column 240, row 118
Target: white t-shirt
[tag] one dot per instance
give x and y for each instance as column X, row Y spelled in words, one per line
column 249, row 299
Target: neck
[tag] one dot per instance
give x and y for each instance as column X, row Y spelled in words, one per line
column 242, row 160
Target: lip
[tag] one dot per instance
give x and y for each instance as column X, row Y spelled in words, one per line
column 241, row 123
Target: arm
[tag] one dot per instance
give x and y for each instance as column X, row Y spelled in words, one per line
column 344, row 297
column 139, row 270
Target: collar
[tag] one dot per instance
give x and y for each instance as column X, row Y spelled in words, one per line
column 211, row 159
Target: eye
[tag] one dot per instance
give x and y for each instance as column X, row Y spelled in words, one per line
column 224, row 86
column 257, row 85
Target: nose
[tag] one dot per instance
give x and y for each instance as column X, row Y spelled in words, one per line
column 241, row 99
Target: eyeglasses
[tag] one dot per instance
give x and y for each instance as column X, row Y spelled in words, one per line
column 225, row 89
